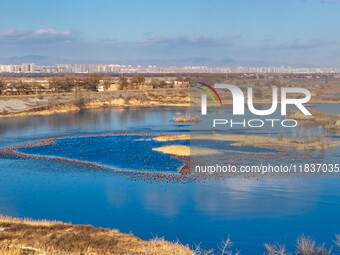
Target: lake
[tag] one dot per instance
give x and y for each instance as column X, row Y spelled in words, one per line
column 251, row 211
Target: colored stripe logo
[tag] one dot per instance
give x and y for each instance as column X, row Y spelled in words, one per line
column 209, row 93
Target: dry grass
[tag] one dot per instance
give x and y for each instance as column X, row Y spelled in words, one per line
column 44, row 111
column 329, row 121
column 56, row 103
column 41, row 237
column 258, row 141
column 182, row 119
column 316, row 116
column 275, row 249
column 26, row 237
column 305, row 246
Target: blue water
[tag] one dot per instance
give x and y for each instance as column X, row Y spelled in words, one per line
column 251, row 211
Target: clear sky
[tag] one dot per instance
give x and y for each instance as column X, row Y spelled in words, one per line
column 165, row 32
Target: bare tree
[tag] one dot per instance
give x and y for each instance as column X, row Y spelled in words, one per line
column 92, row 81
column 2, row 86
column 137, row 80
column 275, row 249
column 305, row 246
column 123, row 82
column 226, row 247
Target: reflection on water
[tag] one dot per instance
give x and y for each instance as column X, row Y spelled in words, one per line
column 92, row 120
column 252, row 212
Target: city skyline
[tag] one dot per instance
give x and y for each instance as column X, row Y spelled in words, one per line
column 121, row 69
column 297, row 33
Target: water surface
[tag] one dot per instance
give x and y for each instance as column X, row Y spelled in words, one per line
column 251, row 211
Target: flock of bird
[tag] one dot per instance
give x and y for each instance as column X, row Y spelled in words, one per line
column 186, row 172
column 149, row 176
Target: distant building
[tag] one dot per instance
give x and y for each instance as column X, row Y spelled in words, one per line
column 178, row 84
column 28, row 68
column 114, row 68
column 107, row 86
column 100, row 88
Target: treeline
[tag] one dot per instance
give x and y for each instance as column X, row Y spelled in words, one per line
column 156, row 83
column 20, row 88
column 91, row 82
column 71, row 83
column 54, row 85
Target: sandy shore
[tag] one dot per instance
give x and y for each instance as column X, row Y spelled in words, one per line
column 42, row 237
column 181, row 150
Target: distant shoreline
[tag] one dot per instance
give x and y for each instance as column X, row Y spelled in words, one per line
column 48, row 104
column 21, row 106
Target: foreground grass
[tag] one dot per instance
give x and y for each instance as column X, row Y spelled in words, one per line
column 26, row 237
column 42, row 237
column 304, row 246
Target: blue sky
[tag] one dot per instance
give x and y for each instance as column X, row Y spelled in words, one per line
column 202, row 32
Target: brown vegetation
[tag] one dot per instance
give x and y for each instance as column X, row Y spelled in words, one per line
column 26, row 237
column 329, row 121
column 183, row 119
column 47, row 104
column 143, row 99
column 333, row 125
column 259, row 141
column 72, row 82
column 304, row 246
column 18, row 237
column 319, row 117
column 322, row 88
column 63, row 108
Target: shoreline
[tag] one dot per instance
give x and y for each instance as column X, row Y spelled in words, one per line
column 73, row 108
column 52, row 104
column 49, row 104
